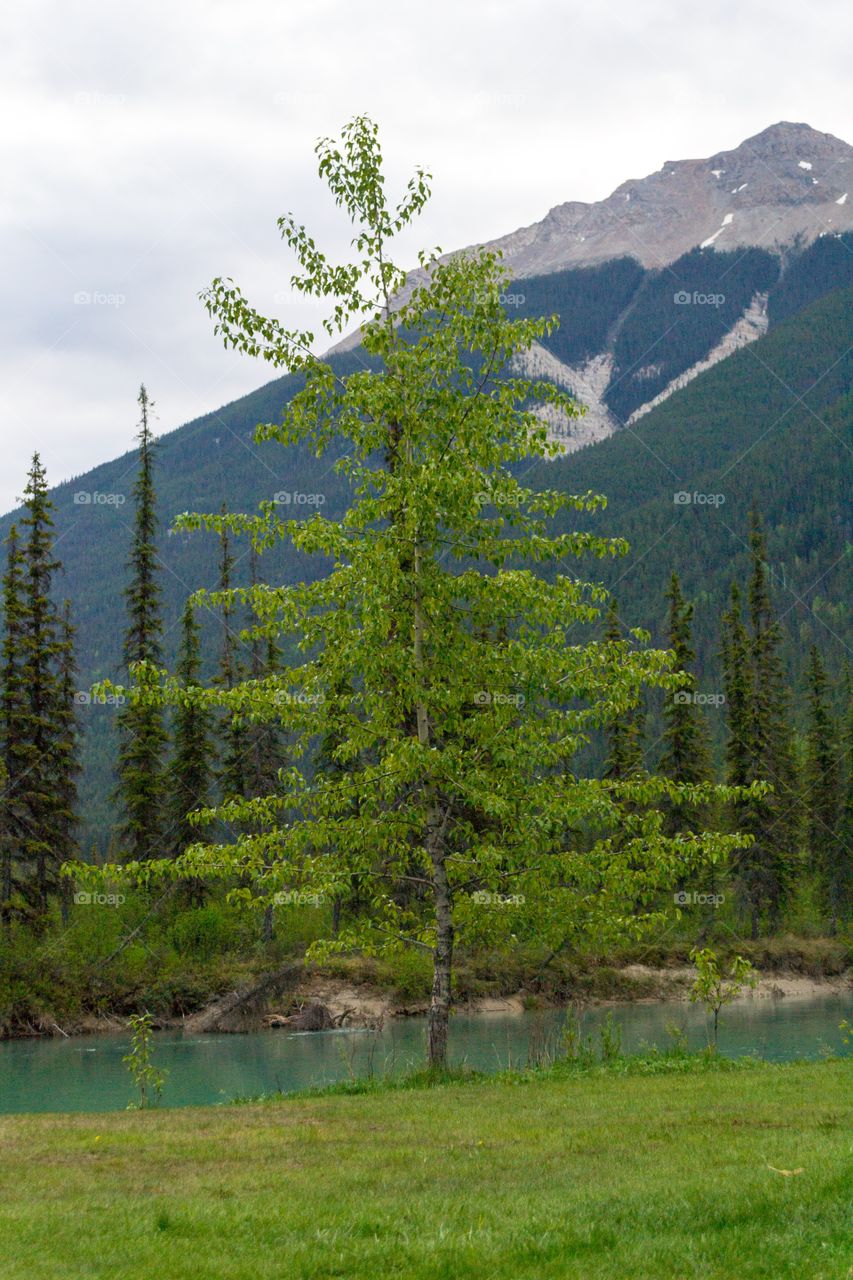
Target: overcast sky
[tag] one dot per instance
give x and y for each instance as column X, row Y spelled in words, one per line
column 147, row 148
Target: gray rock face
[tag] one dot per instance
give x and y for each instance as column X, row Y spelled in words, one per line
column 788, row 183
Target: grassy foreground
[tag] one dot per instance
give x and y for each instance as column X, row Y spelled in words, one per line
column 585, row 1175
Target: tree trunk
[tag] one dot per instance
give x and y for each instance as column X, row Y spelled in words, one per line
column 439, row 1009
column 267, row 928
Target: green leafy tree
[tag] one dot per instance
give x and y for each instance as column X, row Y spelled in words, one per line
column 149, row 1080
column 823, row 795
column 141, row 728
column 469, row 691
column 716, row 986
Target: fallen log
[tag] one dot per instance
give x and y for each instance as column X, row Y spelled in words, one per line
column 241, row 1010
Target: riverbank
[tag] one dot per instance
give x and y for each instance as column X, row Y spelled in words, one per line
column 711, row 1170
column 354, row 995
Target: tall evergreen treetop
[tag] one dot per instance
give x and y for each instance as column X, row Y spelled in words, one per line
column 144, row 627
column 685, row 754
column 624, row 731
column 823, row 795
column 141, row 728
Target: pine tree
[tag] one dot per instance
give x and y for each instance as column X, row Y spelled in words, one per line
column 192, row 763
column 265, row 753
column 263, row 740
column 759, row 746
column 737, row 682
column 741, row 756
column 777, row 829
column 625, row 730
column 13, row 730
column 685, row 754
column 41, row 653
column 823, row 794
column 235, row 744
column 67, row 752
column 846, row 837
column 141, row 728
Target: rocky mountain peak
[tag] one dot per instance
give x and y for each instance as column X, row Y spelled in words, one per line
column 788, row 183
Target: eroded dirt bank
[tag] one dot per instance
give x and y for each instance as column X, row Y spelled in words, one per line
column 292, row 998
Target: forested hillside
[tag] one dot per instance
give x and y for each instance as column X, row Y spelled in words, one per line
column 770, row 428
column 765, row 427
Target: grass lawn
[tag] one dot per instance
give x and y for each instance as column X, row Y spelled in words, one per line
column 587, row 1175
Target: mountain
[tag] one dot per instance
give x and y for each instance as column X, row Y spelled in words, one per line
column 671, row 273
column 722, row 370
column 771, row 428
column 789, row 183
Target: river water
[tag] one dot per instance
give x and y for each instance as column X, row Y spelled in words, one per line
column 86, row 1073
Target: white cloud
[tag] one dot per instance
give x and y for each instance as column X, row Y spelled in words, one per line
column 149, row 148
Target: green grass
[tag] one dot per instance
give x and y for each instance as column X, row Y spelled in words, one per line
column 587, row 1174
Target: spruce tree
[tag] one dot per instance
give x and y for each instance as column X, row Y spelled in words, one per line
column 235, row 739
column 192, row 762
column 777, row 829
column 741, row 757
column 759, row 746
column 823, row 794
column 846, row 825
column 13, row 731
column 685, row 754
column 141, row 729
column 262, row 740
column 624, row 731
column 42, row 655
column 67, row 752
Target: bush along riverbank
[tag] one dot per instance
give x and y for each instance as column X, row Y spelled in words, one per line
column 207, row 967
